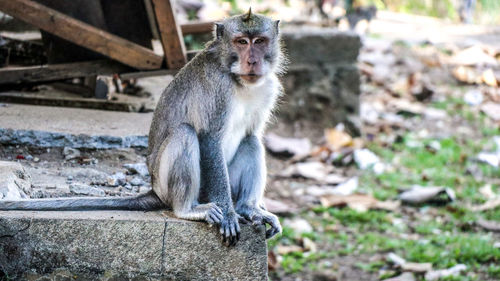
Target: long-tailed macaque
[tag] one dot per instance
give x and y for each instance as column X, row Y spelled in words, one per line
column 205, row 154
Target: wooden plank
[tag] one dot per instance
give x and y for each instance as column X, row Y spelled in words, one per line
column 170, row 33
column 31, row 74
column 197, row 27
column 82, row 34
column 67, row 102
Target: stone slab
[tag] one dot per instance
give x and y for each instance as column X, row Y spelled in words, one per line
column 124, row 245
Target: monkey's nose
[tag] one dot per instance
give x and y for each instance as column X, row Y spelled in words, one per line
column 252, row 61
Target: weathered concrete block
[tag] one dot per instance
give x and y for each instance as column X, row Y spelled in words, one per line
column 15, row 182
column 123, row 245
column 322, row 80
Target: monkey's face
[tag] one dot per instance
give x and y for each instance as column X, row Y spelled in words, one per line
column 250, row 46
column 251, row 51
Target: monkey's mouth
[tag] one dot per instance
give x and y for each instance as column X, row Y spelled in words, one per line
column 250, row 77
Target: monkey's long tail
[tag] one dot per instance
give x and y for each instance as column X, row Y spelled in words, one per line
column 145, row 202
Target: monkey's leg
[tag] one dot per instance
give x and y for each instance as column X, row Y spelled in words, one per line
column 178, row 177
column 215, row 185
column 247, row 173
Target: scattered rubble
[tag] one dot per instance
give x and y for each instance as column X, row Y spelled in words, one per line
column 15, row 182
column 82, row 189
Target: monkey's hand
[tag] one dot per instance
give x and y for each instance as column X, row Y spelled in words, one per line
column 230, row 229
column 260, row 216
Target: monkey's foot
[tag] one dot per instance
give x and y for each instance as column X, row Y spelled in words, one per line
column 209, row 212
column 230, row 229
column 259, row 216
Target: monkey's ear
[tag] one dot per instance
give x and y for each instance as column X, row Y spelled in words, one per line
column 277, row 25
column 219, row 30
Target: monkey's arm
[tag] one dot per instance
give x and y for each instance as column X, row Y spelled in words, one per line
column 215, row 185
column 247, row 172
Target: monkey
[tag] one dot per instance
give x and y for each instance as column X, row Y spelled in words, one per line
column 205, row 154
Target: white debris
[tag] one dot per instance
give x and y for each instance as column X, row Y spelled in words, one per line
column 292, row 146
column 365, row 159
column 311, row 170
column 298, row 225
column 71, row 153
column 137, row 168
column 473, row 97
column 15, row 182
column 418, row 194
column 438, row 274
column 346, row 188
column 395, row 259
column 82, row 189
column 492, row 159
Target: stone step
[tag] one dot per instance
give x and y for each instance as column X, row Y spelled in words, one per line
column 124, row 245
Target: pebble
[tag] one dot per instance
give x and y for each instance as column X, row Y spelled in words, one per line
column 71, row 153
column 116, row 179
column 137, row 168
column 82, row 189
column 136, row 181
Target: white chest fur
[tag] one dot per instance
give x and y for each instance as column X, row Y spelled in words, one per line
column 250, row 110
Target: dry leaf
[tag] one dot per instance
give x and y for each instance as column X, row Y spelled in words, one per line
column 474, row 55
column 417, row 267
column 489, row 225
column 492, row 110
column 359, row 202
column 488, row 205
column 283, row 249
column 489, row 78
column 278, row 207
column 311, row 170
column 466, row 75
column 287, row 146
column 418, row 194
column 337, row 139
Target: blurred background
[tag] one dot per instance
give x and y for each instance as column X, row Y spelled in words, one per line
column 383, row 156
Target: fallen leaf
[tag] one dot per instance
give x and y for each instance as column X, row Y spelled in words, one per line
column 278, row 207
column 418, row 194
column 283, row 249
column 489, row 225
column 492, row 159
column 488, row 205
column 417, row 267
column 287, row 146
column 272, row 261
column 358, row 202
column 438, row 274
column 487, row 192
column 466, row 75
column 395, row 259
column 311, row 170
column 337, row 139
column 492, row 110
column 298, row 225
column 309, row 245
column 406, row 276
column 472, row 56
column 489, row 78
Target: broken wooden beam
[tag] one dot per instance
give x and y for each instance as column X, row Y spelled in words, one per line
column 197, row 27
column 82, row 34
column 53, row 72
column 170, row 34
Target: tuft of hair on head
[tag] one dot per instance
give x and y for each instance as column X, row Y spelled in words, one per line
column 248, row 15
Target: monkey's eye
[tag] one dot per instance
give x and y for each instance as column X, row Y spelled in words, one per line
column 242, row 41
column 259, row 41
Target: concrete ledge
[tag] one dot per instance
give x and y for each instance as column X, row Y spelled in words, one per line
column 123, row 245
